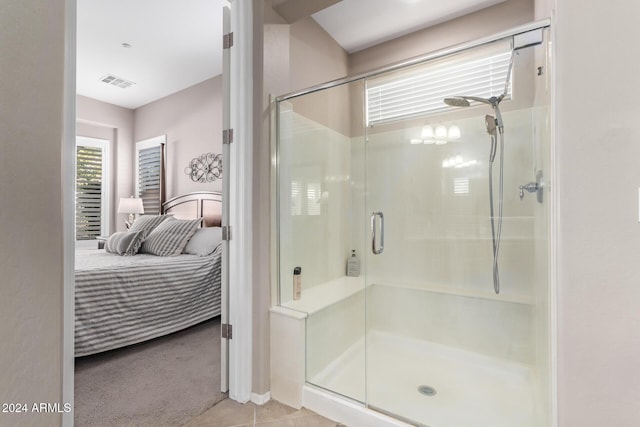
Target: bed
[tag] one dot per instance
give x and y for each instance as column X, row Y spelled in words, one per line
column 124, row 300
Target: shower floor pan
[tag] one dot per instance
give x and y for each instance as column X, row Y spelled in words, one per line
column 462, row 388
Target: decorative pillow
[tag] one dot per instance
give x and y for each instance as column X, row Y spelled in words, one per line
column 147, row 223
column 204, row 241
column 124, row 242
column 170, row 237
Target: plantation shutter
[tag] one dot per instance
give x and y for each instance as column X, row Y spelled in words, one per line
column 419, row 90
column 88, row 192
column 151, row 178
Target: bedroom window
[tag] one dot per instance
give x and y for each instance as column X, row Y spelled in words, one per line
column 92, row 189
column 150, row 181
column 421, row 89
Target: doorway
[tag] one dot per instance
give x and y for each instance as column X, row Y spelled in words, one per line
column 128, row 135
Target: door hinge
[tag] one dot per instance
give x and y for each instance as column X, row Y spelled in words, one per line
column 227, row 136
column 226, row 232
column 226, row 331
column 227, row 40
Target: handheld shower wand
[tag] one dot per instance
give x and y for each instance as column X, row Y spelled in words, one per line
column 463, row 101
column 494, row 126
column 490, row 122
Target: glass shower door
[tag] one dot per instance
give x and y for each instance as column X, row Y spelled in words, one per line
column 408, row 259
column 442, row 348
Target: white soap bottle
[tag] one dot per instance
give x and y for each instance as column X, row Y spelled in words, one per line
column 353, row 265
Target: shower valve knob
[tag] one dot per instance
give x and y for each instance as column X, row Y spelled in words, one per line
column 531, row 187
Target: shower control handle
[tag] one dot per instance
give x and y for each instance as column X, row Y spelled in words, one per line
column 536, row 186
column 380, row 248
column 531, row 187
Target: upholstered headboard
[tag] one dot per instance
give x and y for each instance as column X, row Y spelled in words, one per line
column 205, row 204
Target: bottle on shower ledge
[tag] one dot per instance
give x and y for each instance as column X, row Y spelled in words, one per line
column 297, row 283
column 353, row 265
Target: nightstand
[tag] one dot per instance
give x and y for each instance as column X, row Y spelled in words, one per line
column 101, row 241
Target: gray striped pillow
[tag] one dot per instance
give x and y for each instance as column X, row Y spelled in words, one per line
column 147, row 223
column 170, row 237
column 124, row 243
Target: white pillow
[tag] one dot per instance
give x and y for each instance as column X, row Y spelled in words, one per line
column 204, row 241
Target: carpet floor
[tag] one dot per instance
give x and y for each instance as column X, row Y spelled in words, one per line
column 163, row 382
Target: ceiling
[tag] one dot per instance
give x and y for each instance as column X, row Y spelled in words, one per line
column 175, row 44
column 359, row 24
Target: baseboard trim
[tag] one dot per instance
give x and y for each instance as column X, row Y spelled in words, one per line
column 260, row 399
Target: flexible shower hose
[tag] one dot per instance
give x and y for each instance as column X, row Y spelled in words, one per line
column 496, row 231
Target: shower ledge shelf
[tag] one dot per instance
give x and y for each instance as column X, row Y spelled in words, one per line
column 326, row 294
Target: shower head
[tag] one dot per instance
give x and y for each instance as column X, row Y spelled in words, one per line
column 463, row 101
column 456, row 101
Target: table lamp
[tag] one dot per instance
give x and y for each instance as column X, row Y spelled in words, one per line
column 130, row 205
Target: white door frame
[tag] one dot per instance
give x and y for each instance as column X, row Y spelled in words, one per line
column 240, row 203
column 226, row 192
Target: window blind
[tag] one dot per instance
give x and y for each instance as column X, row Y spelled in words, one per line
column 88, row 192
column 422, row 89
column 150, row 178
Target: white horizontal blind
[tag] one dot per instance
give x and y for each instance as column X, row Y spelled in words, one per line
column 420, row 90
column 89, row 192
column 150, row 179
column 92, row 190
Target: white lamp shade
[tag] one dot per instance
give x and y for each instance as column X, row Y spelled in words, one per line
column 131, row 205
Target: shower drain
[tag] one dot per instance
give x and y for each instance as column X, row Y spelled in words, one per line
column 427, row 390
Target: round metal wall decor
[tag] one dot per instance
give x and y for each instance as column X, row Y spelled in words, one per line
column 205, row 168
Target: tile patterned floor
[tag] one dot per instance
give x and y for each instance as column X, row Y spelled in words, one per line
column 229, row 413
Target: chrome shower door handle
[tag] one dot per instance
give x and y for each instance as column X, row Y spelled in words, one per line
column 379, row 250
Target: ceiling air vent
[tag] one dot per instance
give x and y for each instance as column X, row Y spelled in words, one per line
column 116, row 81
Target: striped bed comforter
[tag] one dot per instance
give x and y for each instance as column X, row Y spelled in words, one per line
column 123, row 300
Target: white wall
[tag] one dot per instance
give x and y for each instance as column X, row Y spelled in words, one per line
column 435, row 238
column 192, row 121
column 31, row 225
column 598, row 152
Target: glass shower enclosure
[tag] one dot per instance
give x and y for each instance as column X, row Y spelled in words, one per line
column 398, row 214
